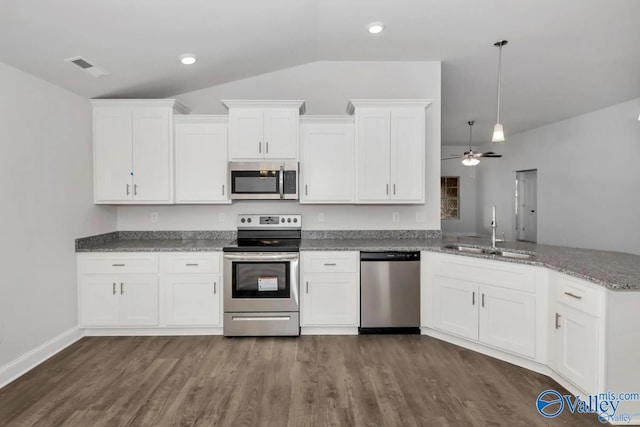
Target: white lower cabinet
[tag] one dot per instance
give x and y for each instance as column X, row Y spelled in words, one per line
column 330, row 292
column 126, row 300
column 488, row 301
column 576, row 331
column 192, row 289
column 151, row 291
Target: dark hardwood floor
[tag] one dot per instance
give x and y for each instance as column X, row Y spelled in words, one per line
column 306, row 381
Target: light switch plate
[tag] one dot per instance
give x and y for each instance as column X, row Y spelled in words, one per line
column 155, row 217
column 221, row 217
column 321, row 217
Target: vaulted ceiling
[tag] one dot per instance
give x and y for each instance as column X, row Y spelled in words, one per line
column 564, row 57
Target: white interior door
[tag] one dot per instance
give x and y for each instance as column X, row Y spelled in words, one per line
column 527, row 205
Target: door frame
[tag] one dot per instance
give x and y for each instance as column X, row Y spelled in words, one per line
column 516, row 204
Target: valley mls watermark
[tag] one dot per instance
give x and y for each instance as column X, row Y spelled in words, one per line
column 551, row 403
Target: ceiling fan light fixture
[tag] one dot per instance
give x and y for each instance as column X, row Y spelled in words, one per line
column 470, row 161
column 498, row 132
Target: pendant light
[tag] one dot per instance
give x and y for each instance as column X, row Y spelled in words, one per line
column 498, row 132
column 469, row 159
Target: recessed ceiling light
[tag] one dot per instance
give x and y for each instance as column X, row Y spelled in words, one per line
column 188, row 58
column 375, row 27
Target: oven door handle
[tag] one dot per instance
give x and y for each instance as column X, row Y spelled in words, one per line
column 261, row 257
column 282, row 181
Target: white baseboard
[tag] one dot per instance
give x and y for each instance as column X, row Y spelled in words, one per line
column 328, row 330
column 33, row 358
column 146, row 332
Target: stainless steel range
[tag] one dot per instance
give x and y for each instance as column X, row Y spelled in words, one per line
column 261, row 274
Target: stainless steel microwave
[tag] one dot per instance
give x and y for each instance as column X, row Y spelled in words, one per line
column 264, row 180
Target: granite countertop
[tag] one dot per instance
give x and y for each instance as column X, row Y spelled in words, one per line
column 156, row 241
column 613, row 270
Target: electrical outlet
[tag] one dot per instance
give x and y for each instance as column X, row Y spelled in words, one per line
column 321, row 217
column 155, row 217
column 395, row 217
column 421, row 217
column 221, row 217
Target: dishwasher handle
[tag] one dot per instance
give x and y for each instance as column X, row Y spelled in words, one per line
column 390, row 256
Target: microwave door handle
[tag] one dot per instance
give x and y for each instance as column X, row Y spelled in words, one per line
column 282, row 181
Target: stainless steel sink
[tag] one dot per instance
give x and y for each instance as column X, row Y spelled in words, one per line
column 490, row 251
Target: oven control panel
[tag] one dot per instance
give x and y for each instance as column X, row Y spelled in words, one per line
column 270, row 221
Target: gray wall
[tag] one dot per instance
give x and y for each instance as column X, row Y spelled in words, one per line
column 47, row 188
column 588, row 180
column 326, row 87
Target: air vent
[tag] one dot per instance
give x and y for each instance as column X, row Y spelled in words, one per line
column 87, row 66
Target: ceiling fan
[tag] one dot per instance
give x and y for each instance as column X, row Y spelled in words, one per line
column 472, row 158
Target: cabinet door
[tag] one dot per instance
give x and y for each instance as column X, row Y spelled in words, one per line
column 138, row 300
column 407, row 154
column 246, row 134
column 193, row 300
column 327, row 168
column 152, row 155
column 577, row 347
column 201, row 163
column 373, row 152
column 112, row 145
column 508, row 320
column 455, row 306
column 281, row 133
column 330, row 300
column 99, row 301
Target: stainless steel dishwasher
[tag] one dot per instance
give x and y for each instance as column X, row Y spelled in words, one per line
column 390, row 292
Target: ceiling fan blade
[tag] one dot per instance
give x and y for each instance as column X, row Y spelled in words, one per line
column 451, row 158
column 491, row 155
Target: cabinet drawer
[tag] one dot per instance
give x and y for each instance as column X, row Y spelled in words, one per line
column 206, row 263
column 579, row 295
column 118, row 263
column 330, row 262
column 495, row 273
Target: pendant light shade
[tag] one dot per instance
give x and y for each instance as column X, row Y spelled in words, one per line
column 498, row 131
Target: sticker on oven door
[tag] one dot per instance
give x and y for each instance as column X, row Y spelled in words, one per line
column 267, row 283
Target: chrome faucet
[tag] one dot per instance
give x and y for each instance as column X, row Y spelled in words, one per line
column 494, row 226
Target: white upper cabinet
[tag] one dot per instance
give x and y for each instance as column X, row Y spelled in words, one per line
column 263, row 129
column 390, row 150
column 133, row 150
column 201, row 174
column 327, row 159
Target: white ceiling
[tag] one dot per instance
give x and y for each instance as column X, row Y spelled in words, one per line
column 564, row 57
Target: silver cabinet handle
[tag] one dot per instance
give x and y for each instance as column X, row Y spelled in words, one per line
column 267, row 144
column 473, row 298
column 558, row 321
column 192, row 265
column 117, row 265
column 306, row 192
column 483, row 300
column 573, row 295
column 135, row 189
column 114, row 288
column 259, row 147
column 282, row 181
column 394, row 189
column 128, row 186
column 307, row 290
column 387, row 189
column 329, row 264
column 214, row 288
column 121, row 288
column 223, row 189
